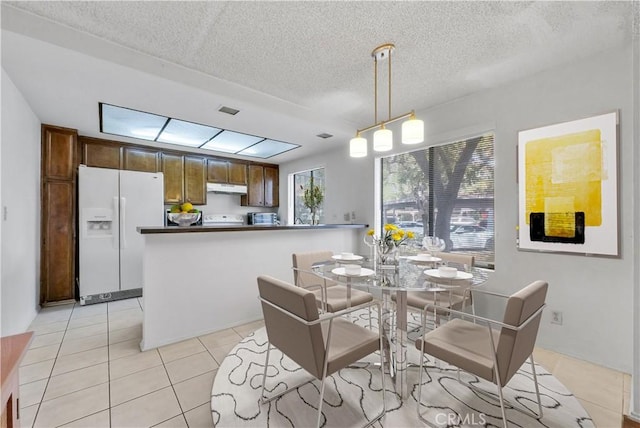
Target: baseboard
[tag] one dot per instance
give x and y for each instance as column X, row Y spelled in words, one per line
column 627, row 422
column 110, row 297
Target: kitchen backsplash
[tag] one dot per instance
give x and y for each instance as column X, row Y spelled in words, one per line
column 220, row 203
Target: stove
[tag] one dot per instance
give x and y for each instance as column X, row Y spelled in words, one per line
column 223, row 220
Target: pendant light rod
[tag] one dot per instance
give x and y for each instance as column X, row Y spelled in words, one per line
column 375, row 87
column 390, row 49
column 391, row 120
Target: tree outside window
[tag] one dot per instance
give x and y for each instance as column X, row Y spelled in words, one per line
column 302, row 182
column 445, row 191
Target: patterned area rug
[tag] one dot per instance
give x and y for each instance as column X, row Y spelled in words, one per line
column 353, row 397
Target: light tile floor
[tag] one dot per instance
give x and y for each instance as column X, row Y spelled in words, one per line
column 85, row 369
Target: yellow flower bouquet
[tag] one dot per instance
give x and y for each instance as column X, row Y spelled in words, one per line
column 386, row 245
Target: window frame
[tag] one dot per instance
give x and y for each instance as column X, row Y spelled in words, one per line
column 291, row 204
column 379, row 218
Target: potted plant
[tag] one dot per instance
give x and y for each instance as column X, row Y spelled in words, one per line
column 312, row 197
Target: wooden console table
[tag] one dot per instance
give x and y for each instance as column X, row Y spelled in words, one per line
column 12, row 350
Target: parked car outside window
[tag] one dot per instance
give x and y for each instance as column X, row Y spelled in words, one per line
column 471, row 237
column 463, row 221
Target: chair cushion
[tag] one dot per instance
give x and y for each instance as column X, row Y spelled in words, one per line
column 349, row 343
column 463, row 344
column 419, row 299
column 337, row 297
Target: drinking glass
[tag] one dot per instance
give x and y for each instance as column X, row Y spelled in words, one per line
column 433, row 244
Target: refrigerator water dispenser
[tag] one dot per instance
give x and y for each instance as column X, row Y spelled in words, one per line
column 98, row 222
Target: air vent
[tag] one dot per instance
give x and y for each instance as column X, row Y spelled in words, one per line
column 324, row 135
column 228, row 110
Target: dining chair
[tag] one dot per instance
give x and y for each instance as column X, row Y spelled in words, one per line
column 330, row 296
column 489, row 349
column 320, row 344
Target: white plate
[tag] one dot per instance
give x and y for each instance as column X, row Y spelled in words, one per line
column 352, row 258
column 363, row 272
column 423, row 259
column 436, row 274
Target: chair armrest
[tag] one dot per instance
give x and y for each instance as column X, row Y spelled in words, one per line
column 488, row 321
column 490, row 293
column 324, row 317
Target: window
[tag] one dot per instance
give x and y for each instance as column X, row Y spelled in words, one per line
column 444, row 191
column 302, row 181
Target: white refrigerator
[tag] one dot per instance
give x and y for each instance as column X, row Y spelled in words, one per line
column 112, row 204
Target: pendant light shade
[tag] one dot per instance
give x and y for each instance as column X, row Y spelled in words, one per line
column 358, row 147
column 382, row 140
column 412, row 131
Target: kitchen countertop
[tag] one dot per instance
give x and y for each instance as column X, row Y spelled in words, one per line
column 244, row 228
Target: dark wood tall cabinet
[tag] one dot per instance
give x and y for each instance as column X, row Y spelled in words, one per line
column 58, row 222
column 262, row 187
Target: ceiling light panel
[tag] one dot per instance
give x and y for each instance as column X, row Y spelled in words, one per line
column 187, row 134
column 268, row 148
column 130, row 123
column 147, row 126
column 231, row 142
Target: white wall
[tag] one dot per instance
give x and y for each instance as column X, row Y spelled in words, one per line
column 21, row 198
column 594, row 293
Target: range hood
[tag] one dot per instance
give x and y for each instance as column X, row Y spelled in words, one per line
column 236, row 189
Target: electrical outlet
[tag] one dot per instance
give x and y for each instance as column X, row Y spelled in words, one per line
column 347, row 216
column 556, row 317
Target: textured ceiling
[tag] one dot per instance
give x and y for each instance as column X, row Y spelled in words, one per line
column 316, row 55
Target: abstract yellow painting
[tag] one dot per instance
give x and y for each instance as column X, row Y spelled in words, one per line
column 566, row 179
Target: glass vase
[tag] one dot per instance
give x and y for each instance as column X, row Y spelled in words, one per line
column 387, row 256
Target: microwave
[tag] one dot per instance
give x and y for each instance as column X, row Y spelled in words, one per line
column 262, row 218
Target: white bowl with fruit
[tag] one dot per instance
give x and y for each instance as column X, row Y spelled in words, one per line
column 184, row 214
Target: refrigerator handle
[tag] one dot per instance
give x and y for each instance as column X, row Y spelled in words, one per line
column 123, row 234
column 115, row 237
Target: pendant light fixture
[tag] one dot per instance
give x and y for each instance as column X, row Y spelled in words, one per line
column 412, row 129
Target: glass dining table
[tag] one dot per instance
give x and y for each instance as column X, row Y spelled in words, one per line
column 410, row 274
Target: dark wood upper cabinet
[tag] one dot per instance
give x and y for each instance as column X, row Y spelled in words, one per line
column 195, row 180
column 101, row 155
column 217, row 171
column 173, row 171
column 271, row 187
column 237, row 173
column 136, row 159
column 59, row 144
column 263, row 187
column 226, row 172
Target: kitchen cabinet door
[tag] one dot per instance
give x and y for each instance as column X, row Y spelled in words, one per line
column 255, row 190
column 135, row 159
column 101, row 155
column 173, row 170
column 58, row 241
column 237, row 173
column 217, row 171
column 58, row 149
column 271, row 187
column 58, row 216
column 195, row 180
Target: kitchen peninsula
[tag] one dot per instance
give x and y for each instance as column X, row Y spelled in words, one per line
column 202, row 279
